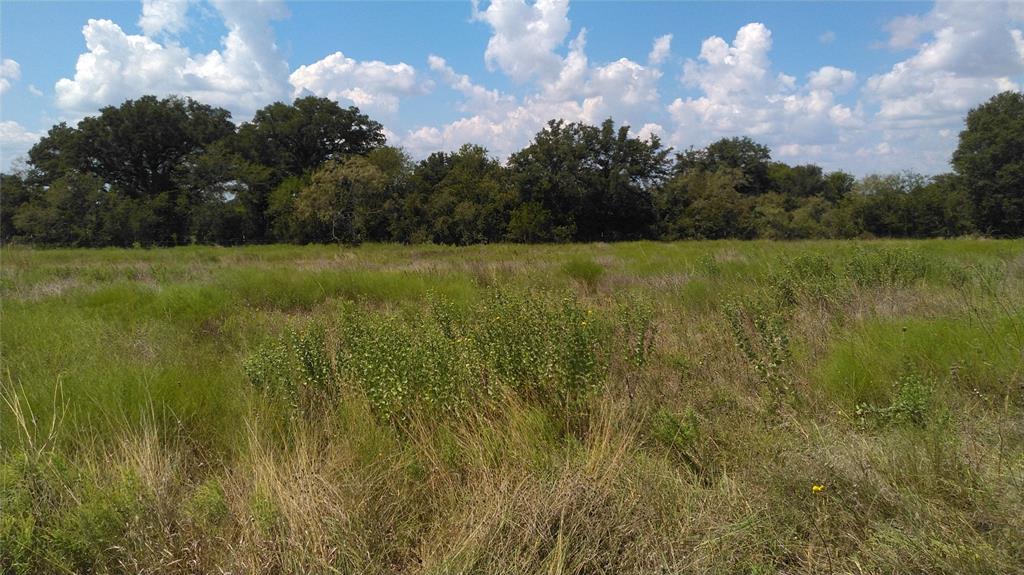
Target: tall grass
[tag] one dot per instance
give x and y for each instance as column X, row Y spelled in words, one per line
column 704, row 407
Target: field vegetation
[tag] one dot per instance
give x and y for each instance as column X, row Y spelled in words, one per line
column 693, row 407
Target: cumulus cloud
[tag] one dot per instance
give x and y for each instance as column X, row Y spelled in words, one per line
column 163, row 16
column 525, row 36
column 832, row 78
column 10, row 72
column 567, row 87
column 964, row 53
column 373, row 85
column 952, row 57
column 973, row 51
column 743, row 95
column 660, row 50
column 15, row 141
column 904, row 31
column 477, row 97
column 246, row 73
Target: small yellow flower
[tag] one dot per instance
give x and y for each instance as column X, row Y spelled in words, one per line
column 817, row 488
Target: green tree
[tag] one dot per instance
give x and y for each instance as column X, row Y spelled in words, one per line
column 284, row 224
column 529, row 223
column 293, row 139
column 15, row 192
column 74, row 210
column 225, row 196
column 140, row 149
column 990, row 158
column 702, row 204
column 473, row 202
column 342, row 200
column 595, row 182
column 797, row 182
column 136, row 146
column 753, row 160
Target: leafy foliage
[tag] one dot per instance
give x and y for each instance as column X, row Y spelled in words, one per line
column 990, row 158
column 543, row 347
column 174, row 171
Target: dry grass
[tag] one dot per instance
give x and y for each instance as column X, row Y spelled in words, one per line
column 154, row 454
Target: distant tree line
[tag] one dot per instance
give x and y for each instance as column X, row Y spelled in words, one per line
column 175, row 171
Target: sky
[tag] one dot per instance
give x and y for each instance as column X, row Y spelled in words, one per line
column 866, row 87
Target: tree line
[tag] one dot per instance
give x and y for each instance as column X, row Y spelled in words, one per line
column 175, row 171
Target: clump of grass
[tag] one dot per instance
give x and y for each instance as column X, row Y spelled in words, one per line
column 886, row 267
column 207, row 507
column 806, row 278
column 586, row 271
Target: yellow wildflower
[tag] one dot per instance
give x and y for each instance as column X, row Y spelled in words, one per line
column 817, row 488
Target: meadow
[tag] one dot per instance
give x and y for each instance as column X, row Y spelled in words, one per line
column 691, row 407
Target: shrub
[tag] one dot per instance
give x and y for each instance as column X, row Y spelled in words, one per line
column 636, row 326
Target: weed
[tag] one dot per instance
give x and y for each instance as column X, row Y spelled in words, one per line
column 911, row 404
column 760, row 333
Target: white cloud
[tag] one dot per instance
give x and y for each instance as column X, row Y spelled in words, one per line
column 163, row 16
column 10, row 71
column 372, row 85
column 567, row 88
column 650, row 129
column 525, row 36
column 660, row 50
column 832, row 78
column 964, row 54
column 972, row 53
column 15, row 141
column 247, row 73
column 742, row 95
column 478, row 98
column 905, row 31
column 827, row 37
column 34, row 90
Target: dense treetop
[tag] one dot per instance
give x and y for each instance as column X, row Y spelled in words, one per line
column 171, row 171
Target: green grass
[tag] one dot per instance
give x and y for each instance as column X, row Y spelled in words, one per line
column 606, row 408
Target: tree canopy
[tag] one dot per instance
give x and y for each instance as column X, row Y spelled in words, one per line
column 990, row 160
column 166, row 171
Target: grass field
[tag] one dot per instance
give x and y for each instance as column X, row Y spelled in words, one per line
column 701, row 407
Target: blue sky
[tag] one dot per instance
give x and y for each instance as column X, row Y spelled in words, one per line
column 861, row 86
